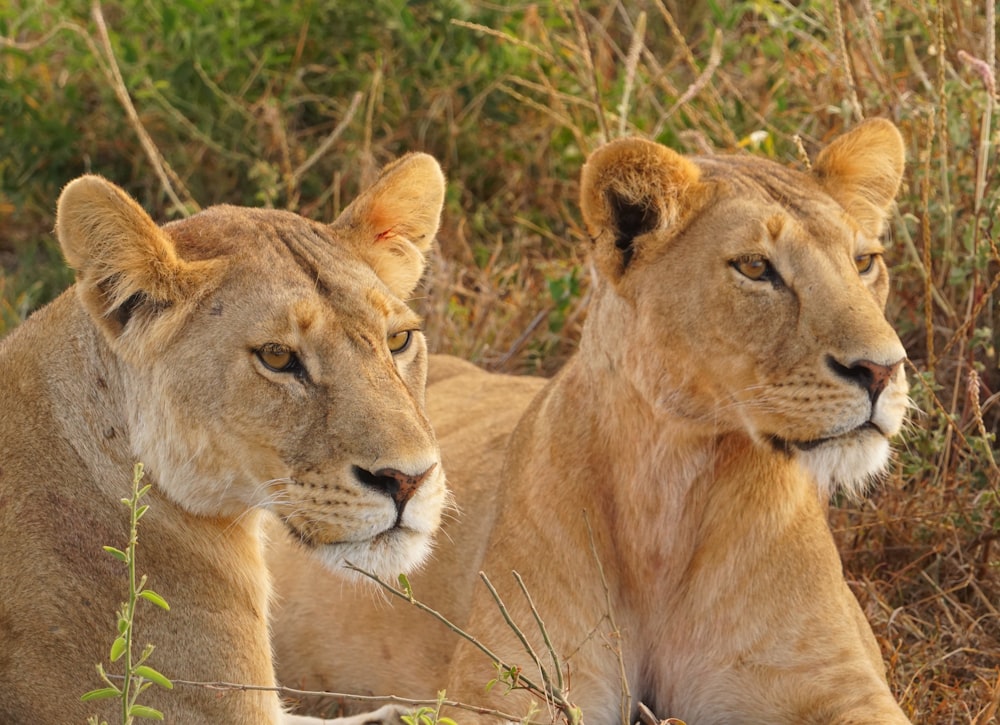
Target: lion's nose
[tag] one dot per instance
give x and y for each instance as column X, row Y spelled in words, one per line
column 871, row 376
column 395, row 484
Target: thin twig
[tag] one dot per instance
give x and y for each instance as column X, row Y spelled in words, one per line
column 166, row 174
column 631, row 64
column 408, row 597
column 700, row 83
column 591, row 77
column 550, row 689
column 985, row 73
column 925, row 228
column 917, row 259
column 293, row 692
column 328, row 141
column 507, row 37
column 541, row 628
column 845, row 59
column 548, row 693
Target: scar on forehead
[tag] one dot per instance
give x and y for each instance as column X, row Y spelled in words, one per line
column 304, row 314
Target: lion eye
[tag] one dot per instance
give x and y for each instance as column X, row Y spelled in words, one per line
column 399, row 341
column 278, row 358
column 753, row 268
column 864, row 263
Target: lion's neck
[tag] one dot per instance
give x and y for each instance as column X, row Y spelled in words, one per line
column 661, row 477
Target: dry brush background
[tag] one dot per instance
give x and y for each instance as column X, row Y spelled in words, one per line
column 192, row 103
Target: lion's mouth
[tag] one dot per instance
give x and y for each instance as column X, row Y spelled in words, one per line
column 789, row 445
column 312, row 541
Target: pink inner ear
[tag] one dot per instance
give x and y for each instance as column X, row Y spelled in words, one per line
column 390, row 232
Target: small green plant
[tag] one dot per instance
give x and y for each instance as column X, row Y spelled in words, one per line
column 138, row 676
column 429, row 715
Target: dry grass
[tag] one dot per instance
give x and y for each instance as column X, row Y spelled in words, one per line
column 512, row 112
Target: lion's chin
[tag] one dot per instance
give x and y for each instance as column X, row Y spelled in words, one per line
column 850, row 462
column 395, row 551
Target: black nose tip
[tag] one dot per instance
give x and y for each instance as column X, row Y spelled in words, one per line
column 397, row 485
column 870, row 376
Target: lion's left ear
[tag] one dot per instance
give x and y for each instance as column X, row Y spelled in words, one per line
column 395, row 220
column 629, row 188
column 862, row 170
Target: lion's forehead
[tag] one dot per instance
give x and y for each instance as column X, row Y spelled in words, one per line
column 270, row 238
column 265, row 245
column 779, row 199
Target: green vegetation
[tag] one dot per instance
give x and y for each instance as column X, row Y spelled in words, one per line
column 137, row 676
column 195, row 103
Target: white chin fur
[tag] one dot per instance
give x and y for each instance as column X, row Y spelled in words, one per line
column 388, row 555
column 851, row 463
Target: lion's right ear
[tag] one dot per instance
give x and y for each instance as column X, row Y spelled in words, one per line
column 862, row 170
column 394, row 222
column 126, row 265
column 629, row 188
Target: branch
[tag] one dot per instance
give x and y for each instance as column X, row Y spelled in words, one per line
column 160, row 165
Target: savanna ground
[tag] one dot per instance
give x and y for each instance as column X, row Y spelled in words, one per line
column 192, row 103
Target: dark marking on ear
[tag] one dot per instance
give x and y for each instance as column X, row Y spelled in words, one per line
column 630, row 221
column 127, row 309
column 216, row 310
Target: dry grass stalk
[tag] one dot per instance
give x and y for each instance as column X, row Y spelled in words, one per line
column 168, row 178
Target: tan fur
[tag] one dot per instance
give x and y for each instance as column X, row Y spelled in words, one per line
column 152, row 357
column 697, row 429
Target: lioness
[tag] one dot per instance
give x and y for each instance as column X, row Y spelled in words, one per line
column 252, row 360
column 735, row 366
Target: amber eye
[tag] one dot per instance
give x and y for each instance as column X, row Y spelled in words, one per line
column 864, row 263
column 277, row 358
column 754, row 268
column 399, row 341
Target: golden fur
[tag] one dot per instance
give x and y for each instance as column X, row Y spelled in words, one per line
column 735, row 365
column 244, row 357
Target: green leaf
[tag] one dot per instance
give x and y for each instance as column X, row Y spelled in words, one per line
column 141, row 510
column 102, row 694
column 404, row 584
column 150, row 596
column 118, row 648
column 117, row 553
column 149, row 713
column 122, row 624
column 153, row 676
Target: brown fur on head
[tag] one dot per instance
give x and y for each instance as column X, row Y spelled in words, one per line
column 252, row 360
column 658, row 498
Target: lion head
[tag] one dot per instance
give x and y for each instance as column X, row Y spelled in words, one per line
column 271, row 360
column 753, row 294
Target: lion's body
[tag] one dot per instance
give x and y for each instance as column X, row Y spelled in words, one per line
column 160, row 354
column 734, row 367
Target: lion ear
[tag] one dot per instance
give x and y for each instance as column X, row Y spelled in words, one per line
column 862, row 171
column 126, row 265
column 629, row 188
column 393, row 223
